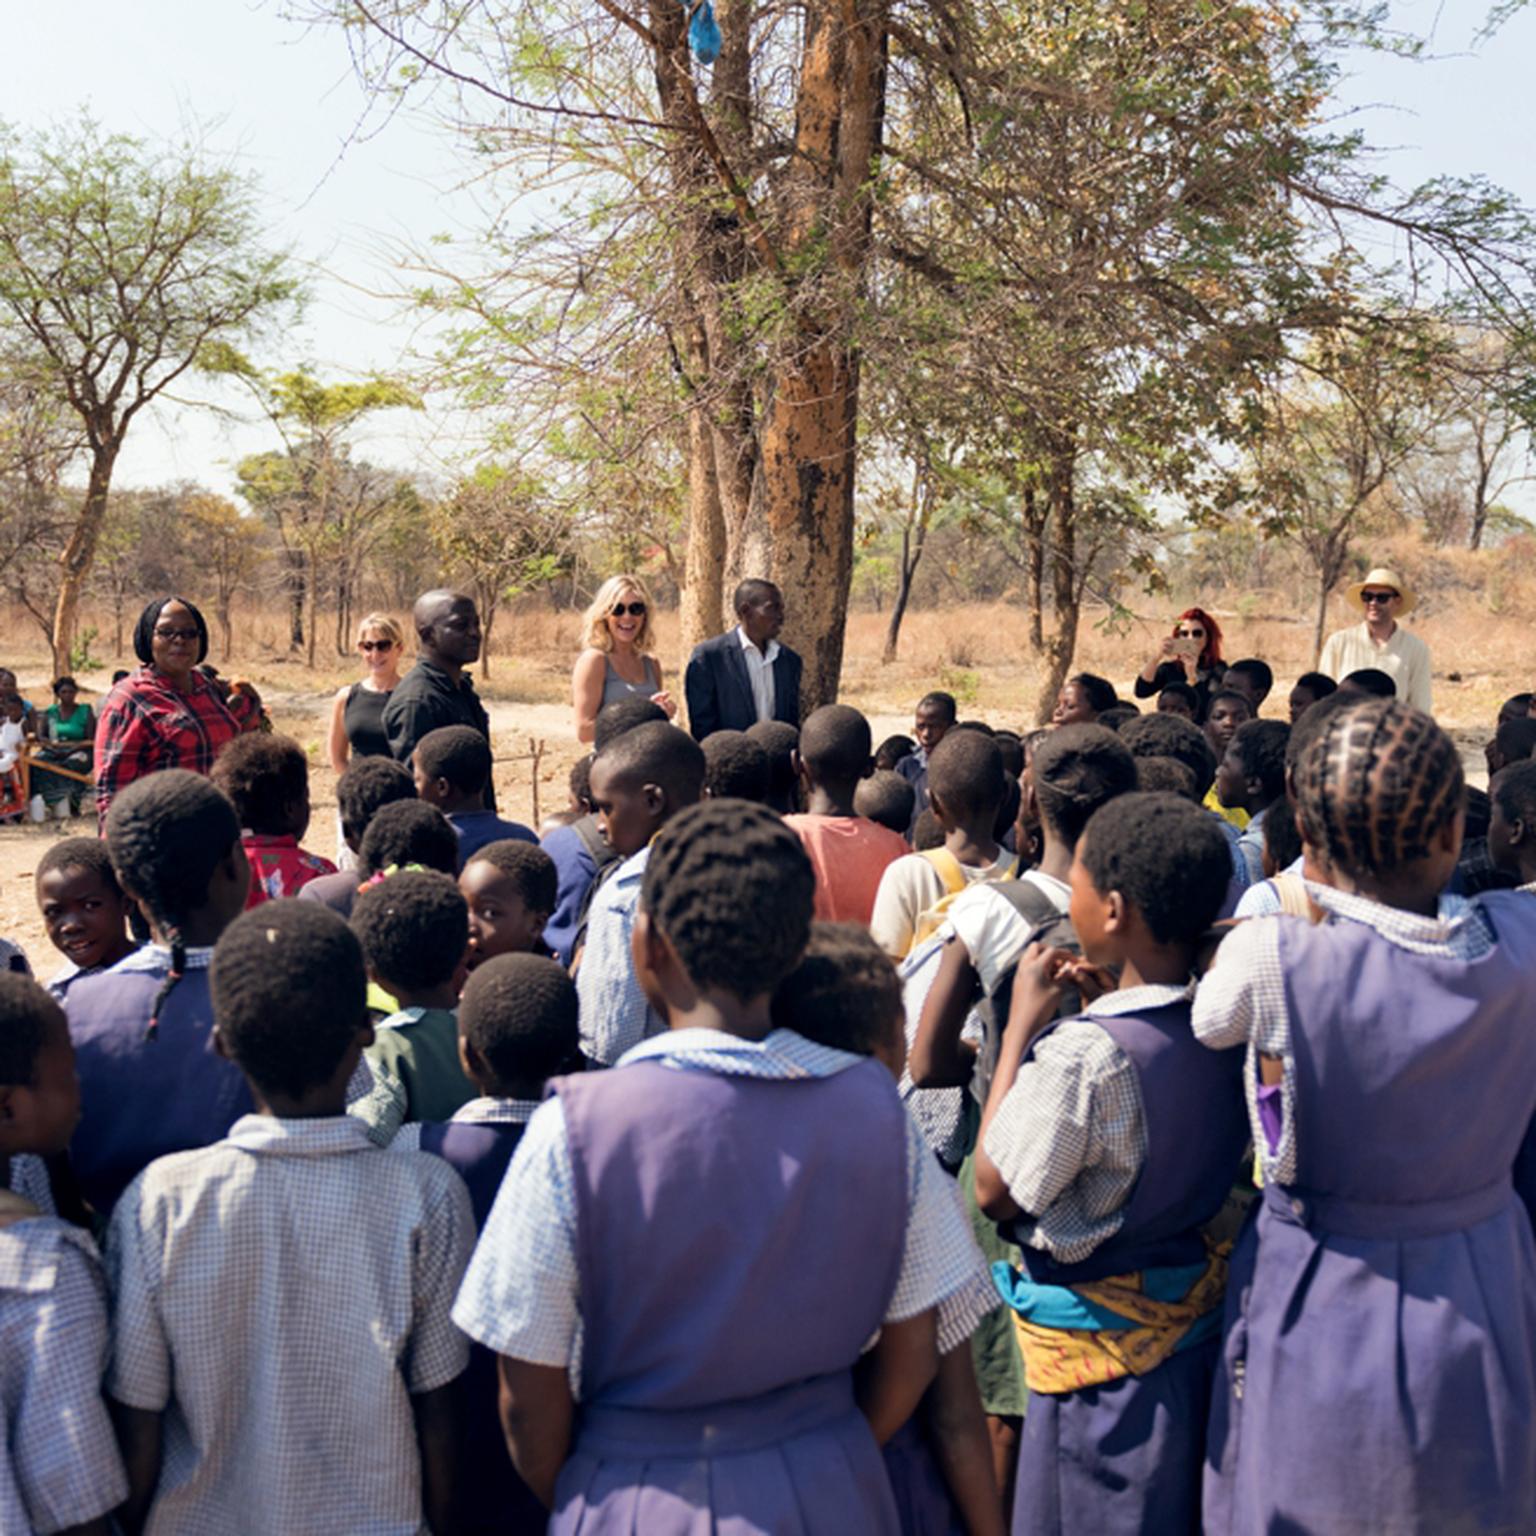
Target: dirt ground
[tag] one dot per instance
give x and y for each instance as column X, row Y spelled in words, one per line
column 974, row 652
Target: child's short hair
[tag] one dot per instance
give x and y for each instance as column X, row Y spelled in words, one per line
column 26, row 1013
column 1516, row 707
column 1318, row 684
column 1282, row 842
column 1515, row 740
column 1372, row 681
column 580, row 781
column 926, row 832
column 414, row 928
column 975, row 725
column 779, row 740
column 1260, row 748
column 941, row 701
column 965, row 773
column 1185, row 695
column 1008, row 807
column 457, row 753
column 366, row 786
column 657, row 753
column 264, row 777
column 409, row 832
column 1229, row 696
column 730, row 887
column 844, row 993
column 1166, row 776
column 519, row 1013
column 1168, row 858
column 1116, row 715
column 735, row 767
column 83, row 853
column 1011, row 745
column 1078, row 769
column 289, row 993
column 167, row 833
column 1309, row 724
column 887, row 798
column 1099, row 691
column 1259, row 672
column 835, row 744
column 892, row 750
column 624, row 715
column 527, row 866
column 1166, row 735
column 1376, row 785
column 1514, row 788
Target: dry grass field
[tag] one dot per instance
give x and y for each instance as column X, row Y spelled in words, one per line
column 1475, row 615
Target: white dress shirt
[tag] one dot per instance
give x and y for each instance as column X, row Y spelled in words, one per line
column 759, row 672
column 1402, row 656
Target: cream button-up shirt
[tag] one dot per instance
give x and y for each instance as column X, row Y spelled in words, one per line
column 1402, row 656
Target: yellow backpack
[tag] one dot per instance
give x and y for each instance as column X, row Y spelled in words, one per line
column 952, row 874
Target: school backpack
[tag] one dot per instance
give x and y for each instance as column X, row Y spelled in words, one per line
column 606, row 859
column 950, row 871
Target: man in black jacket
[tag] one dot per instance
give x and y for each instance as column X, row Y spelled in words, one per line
column 744, row 675
column 436, row 690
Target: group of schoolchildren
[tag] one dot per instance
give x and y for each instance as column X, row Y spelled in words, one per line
column 799, row 1137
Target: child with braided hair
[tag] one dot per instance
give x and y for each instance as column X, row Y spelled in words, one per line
column 1379, row 1362
column 658, row 1217
column 150, row 1082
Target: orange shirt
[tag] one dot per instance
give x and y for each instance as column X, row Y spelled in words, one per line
column 849, row 855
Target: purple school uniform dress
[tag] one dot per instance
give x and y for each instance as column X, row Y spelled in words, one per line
column 655, row 1226
column 479, row 1142
column 1379, row 1364
column 142, row 1097
column 1124, row 1458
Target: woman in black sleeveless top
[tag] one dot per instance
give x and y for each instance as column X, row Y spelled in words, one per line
column 357, row 712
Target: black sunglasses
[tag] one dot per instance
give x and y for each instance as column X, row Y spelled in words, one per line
column 1377, row 597
column 1189, row 634
column 176, row 634
column 634, row 610
column 375, row 645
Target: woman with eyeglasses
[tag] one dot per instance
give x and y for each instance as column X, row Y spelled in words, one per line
column 357, row 712
column 616, row 660
column 1190, row 654
column 167, row 714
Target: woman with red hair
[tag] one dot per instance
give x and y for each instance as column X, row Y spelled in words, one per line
column 1190, row 654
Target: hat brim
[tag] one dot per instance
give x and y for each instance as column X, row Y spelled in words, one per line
column 1385, row 579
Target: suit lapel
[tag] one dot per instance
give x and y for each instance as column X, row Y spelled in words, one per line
column 736, row 668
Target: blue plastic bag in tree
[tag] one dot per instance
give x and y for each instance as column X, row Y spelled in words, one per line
column 704, row 34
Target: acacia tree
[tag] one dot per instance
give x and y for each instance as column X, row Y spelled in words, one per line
column 119, row 263
column 230, row 549
column 505, row 533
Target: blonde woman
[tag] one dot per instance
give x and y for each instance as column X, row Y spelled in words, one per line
column 357, row 712
column 617, row 659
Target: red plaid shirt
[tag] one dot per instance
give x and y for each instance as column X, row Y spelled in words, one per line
column 146, row 725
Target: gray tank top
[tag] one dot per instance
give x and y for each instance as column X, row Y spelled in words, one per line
column 615, row 688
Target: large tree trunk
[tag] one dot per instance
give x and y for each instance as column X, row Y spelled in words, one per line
column 81, row 551
column 1324, row 591
column 1065, row 588
column 705, row 560
column 296, row 595
column 1035, row 525
column 312, row 583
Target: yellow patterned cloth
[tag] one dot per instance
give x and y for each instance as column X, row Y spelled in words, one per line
column 1066, row 1360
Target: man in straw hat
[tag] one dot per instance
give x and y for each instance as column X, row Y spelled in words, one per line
column 1380, row 641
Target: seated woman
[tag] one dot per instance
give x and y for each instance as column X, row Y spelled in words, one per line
column 1178, row 661
column 66, row 734
column 616, row 659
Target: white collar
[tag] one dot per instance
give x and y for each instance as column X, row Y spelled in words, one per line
column 1139, row 999
column 768, row 657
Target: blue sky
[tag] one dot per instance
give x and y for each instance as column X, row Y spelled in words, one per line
column 283, row 102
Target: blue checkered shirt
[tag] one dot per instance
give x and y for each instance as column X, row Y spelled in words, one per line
column 521, row 1295
column 614, row 1012
column 59, row 1465
column 1242, row 1000
column 283, row 1293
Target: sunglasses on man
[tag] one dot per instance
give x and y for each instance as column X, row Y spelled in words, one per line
column 1377, row 597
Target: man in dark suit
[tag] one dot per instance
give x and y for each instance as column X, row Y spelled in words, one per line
column 744, row 675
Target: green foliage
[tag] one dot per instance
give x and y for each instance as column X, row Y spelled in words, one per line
column 81, row 658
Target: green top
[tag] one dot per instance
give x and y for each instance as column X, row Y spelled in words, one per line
column 419, row 1049
column 73, row 729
